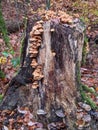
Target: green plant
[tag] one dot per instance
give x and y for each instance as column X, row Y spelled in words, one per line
column 15, row 61
column 85, row 97
column 88, row 100
column 1, row 97
column 86, row 88
column 5, row 53
column 2, row 75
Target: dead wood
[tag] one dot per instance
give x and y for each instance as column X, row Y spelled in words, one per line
column 51, row 62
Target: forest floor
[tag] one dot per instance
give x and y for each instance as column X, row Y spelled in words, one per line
column 20, row 119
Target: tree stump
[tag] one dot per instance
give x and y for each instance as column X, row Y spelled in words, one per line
column 47, row 81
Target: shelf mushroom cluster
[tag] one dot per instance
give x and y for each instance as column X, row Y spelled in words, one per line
column 61, row 16
column 35, row 42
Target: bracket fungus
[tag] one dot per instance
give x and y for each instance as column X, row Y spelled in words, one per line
column 38, row 73
column 34, row 63
column 35, row 42
column 34, row 53
column 35, row 85
column 60, row 113
column 41, row 112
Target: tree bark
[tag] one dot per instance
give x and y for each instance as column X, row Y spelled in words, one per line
column 59, row 57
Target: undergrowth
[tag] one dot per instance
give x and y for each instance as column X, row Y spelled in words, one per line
column 86, row 98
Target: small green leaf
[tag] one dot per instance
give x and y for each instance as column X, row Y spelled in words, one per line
column 12, row 52
column 6, row 54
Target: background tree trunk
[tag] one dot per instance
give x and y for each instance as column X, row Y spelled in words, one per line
column 59, row 57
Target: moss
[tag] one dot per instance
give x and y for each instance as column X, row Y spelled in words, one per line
column 88, row 100
column 1, row 97
column 86, row 88
column 85, row 98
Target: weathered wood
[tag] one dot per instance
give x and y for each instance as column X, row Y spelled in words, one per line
column 59, row 56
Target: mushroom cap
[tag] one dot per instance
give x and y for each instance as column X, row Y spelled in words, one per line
column 35, row 85
column 37, row 26
column 38, row 77
column 34, row 63
column 33, row 39
column 36, row 32
column 38, row 37
column 32, row 46
column 38, row 73
column 35, row 44
column 60, row 113
column 41, row 22
column 41, row 112
column 41, row 30
column 33, row 51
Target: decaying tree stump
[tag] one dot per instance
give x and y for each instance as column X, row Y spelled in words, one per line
column 47, row 81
